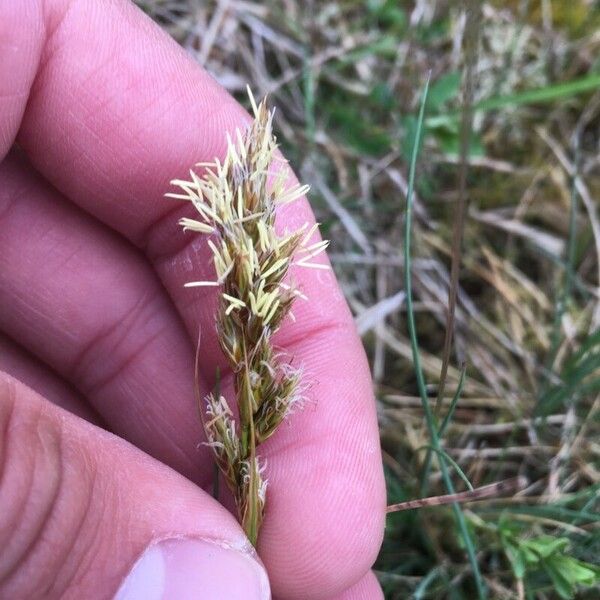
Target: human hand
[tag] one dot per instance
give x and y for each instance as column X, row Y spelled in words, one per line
column 101, row 109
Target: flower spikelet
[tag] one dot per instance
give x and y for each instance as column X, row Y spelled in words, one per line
column 236, row 201
column 221, row 434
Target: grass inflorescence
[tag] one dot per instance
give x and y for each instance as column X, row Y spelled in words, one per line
column 236, row 202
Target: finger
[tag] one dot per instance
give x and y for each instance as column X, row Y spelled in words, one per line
column 151, row 113
column 85, row 515
column 18, row 363
column 87, row 304
column 20, row 50
column 367, row 588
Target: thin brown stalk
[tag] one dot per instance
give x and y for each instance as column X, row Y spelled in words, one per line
column 471, row 42
column 508, row 486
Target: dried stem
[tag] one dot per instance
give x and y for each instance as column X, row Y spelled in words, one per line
column 485, row 492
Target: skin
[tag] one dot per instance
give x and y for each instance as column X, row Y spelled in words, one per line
column 99, row 109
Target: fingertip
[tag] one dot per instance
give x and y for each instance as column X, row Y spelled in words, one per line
column 327, row 490
column 330, row 509
column 326, row 559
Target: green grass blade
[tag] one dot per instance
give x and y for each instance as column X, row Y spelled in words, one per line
column 591, row 345
column 549, row 93
column 557, row 513
column 309, row 101
column 445, row 456
column 442, row 430
column 420, row 590
column 541, row 95
column 564, row 295
column 455, row 399
column 429, row 418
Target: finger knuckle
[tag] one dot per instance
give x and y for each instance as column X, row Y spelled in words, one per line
column 40, row 516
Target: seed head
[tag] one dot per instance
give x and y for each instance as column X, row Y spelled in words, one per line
column 236, row 202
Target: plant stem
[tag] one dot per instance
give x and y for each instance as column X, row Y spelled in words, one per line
column 250, row 502
column 429, row 418
column 442, row 430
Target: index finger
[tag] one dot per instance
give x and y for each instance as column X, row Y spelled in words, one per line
column 116, row 110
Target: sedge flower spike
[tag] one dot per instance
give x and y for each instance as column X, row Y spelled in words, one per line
column 236, row 200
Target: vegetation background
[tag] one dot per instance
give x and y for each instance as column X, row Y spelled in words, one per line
column 506, row 229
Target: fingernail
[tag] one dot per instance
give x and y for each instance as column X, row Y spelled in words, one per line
column 186, row 569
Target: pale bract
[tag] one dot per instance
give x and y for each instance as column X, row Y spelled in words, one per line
column 236, row 201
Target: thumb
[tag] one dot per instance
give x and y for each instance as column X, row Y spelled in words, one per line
column 83, row 514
